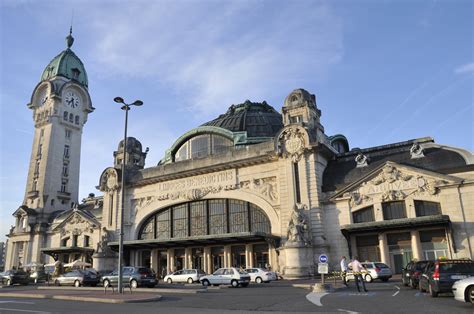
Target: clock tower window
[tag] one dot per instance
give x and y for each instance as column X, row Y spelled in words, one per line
column 71, row 118
column 68, row 134
column 77, row 120
column 66, row 151
column 65, row 115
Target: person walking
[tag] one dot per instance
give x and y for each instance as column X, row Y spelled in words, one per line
column 357, row 270
column 344, row 270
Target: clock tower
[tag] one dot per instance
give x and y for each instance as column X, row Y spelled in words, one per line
column 60, row 105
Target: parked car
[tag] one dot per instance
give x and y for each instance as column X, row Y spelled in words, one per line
column 372, row 271
column 12, row 276
column 136, row 276
column 185, row 275
column 440, row 275
column 77, row 278
column 39, row 275
column 412, row 272
column 227, row 276
column 260, row 275
column 463, row 290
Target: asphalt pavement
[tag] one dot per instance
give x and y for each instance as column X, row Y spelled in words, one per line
column 276, row 297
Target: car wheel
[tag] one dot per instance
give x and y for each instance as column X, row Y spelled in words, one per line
column 169, row 280
column 433, row 293
column 57, row 283
column 258, row 280
column 234, row 283
column 9, row 282
column 77, row 283
column 106, row 283
column 133, row 284
column 470, row 294
column 190, row 280
column 205, row 283
column 368, row 278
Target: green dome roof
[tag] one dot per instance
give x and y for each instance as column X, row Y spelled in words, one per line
column 66, row 64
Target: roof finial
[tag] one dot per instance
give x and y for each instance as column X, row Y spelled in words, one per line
column 69, row 38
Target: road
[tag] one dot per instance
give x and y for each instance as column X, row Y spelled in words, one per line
column 277, row 297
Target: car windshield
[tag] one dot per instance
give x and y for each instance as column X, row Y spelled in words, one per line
column 242, row 272
column 421, row 265
column 144, row 270
column 381, row 265
column 461, row 267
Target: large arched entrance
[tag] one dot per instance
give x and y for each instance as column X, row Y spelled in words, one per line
column 205, row 234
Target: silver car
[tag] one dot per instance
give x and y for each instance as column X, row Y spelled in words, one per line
column 185, row 275
column 77, row 278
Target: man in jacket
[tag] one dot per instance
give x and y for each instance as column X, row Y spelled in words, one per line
column 357, row 268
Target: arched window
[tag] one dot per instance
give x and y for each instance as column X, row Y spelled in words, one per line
column 208, row 217
column 77, row 120
column 65, row 115
column 71, row 117
column 202, row 145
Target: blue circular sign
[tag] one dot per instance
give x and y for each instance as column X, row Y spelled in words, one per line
column 323, row 258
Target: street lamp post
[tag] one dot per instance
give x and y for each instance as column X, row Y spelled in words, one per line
column 125, row 107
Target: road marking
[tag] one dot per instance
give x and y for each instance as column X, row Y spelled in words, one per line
column 17, row 302
column 350, row 312
column 315, row 297
column 397, row 291
column 26, row 311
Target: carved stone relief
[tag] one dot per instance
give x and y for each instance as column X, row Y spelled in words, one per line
column 298, row 228
column 76, row 226
column 392, row 184
column 264, row 186
column 292, row 142
column 416, row 151
column 109, row 181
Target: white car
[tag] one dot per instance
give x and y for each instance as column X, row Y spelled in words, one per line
column 227, row 276
column 374, row 270
column 463, row 290
column 185, row 275
column 260, row 275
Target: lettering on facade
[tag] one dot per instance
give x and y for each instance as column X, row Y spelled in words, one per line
column 264, row 186
column 189, row 189
column 392, row 184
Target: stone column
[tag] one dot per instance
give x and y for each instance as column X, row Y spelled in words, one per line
column 10, row 259
column 206, row 258
column 353, row 246
column 249, row 255
column 416, row 245
column 383, row 246
column 227, row 256
column 154, row 260
column 170, row 260
column 188, row 258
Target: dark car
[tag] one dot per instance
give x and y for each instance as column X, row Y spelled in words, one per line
column 440, row 275
column 11, row 277
column 133, row 275
column 77, row 278
column 412, row 272
column 38, row 276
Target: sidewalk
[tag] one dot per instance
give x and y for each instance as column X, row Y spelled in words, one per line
column 84, row 295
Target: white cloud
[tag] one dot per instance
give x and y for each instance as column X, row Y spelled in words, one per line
column 465, row 68
column 213, row 53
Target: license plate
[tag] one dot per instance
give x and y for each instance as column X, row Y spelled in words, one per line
column 458, row 277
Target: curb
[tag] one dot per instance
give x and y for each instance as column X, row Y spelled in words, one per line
column 79, row 298
column 148, row 290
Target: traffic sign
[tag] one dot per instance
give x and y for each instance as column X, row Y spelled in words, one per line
column 323, row 268
column 323, row 258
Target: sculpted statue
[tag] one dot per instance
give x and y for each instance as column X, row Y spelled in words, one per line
column 298, row 228
column 102, row 244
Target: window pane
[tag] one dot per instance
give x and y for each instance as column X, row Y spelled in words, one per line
column 364, row 215
column 180, row 221
column 200, row 146
column 163, row 225
column 220, row 144
column 424, row 208
column 182, row 153
column 147, row 231
column 394, row 210
column 217, row 217
column 198, row 218
column 238, row 216
column 258, row 220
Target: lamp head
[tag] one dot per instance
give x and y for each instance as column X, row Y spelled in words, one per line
column 118, row 100
column 137, row 103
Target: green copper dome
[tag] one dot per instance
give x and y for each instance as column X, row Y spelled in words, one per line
column 66, row 64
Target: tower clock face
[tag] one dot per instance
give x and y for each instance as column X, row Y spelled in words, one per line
column 72, row 100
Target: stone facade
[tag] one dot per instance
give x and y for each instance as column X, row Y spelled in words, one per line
column 250, row 188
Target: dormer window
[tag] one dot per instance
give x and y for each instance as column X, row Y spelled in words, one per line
column 296, row 119
column 75, row 73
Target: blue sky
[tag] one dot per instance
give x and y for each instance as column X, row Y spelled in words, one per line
column 382, row 71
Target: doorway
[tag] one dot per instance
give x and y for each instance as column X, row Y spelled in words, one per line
column 217, row 257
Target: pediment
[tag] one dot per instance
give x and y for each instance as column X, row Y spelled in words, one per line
column 77, row 223
column 392, row 181
column 24, row 211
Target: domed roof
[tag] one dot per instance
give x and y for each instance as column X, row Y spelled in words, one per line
column 300, row 97
column 66, row 64
column 258, row 119
column 132, row 145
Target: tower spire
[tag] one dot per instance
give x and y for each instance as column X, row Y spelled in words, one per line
column 69, row 38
